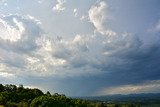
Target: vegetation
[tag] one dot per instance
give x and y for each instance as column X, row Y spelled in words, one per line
column 13, row 96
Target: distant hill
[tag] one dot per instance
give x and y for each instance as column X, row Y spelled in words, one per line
column 140, row 98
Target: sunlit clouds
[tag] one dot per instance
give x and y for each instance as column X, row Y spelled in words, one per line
column 147, row 87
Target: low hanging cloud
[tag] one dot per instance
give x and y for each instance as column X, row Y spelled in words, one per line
column 147, row 87
column 59, row 6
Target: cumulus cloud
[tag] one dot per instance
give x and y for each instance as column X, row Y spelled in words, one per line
column 81, row 55
column 11, row 34
column 19, row 33
column 99, row 17
column 24, row 48
column 57, row 55
column 59, row 6
column 93, row 54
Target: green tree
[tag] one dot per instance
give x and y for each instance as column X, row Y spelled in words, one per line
column 48, row 93
column 1, row 88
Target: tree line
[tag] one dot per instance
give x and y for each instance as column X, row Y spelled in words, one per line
column 18, row 96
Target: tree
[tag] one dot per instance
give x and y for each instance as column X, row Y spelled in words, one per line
column 37, row 92
column 23, row 104
column 20, row 88
column 48, row 93
column 3, row 99
column 1, row 88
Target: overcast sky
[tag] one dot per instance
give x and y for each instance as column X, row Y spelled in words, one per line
column 81, row 47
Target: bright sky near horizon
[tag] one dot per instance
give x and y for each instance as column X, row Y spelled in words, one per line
column 81, row 47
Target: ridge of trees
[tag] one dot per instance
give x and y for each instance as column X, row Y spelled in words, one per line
column 13, row 96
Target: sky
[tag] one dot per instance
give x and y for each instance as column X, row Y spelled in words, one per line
column 81, row 47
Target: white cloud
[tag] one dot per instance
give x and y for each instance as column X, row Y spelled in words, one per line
column 2, row 67
column 84, row 17
column 18, row 33
column 75, row 11
column 5, row 72
column 6, row 75
column 40, row 1
column 99, row 17
column 59, row 6
column 11, row 33
column 147, row 87
column 3, row 1
column 5, row 4
column 34, row 19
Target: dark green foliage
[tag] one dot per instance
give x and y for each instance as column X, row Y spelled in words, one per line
column 48, row 93
column 49, row 101
column 13, row 96
column 1, row 88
